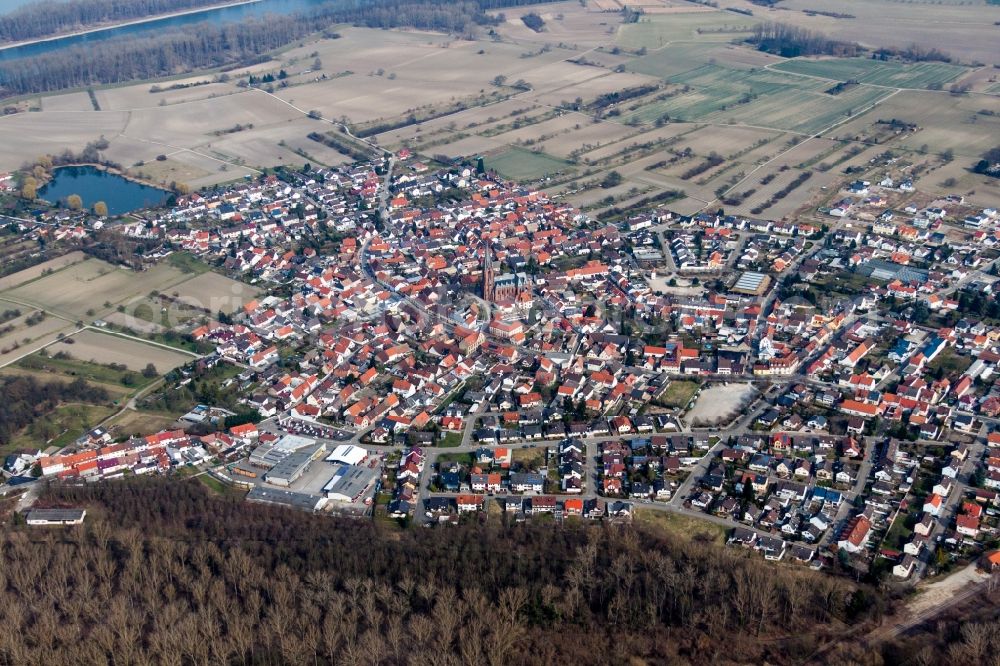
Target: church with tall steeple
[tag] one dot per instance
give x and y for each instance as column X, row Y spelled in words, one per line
column 505, row 288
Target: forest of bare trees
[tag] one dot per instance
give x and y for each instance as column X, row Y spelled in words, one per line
column 791, row 41
column 26, row 399
column 52, row 17
column 135, row 58
column 164, row 571
column 207, row 45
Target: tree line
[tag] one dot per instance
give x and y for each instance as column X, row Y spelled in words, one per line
column 41, row 19
column 166, row 572
column 25, row 399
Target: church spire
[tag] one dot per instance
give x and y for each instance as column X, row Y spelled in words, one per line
column 489, row 277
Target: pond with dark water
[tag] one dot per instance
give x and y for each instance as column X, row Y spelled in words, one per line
column 93, row 184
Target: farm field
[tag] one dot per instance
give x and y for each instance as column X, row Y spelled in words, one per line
column 658, row 30
column 26, row 334
column 82, row 290
column 520, row 164
column 964, row 30
column 215, row 292
column 103, row 348
column 78, row 101
column 58, row 362
column 874, row 72
column 692, row 54
column 90, row 289
column 36, row 271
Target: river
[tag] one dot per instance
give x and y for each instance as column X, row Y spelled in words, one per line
column 218, row 15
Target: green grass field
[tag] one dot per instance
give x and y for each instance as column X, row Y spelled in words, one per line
column 188, row 263
column 68, row 369
column 655, row 31
column 874, row 72
column 683, row 527
column 759, row 97
column 679, row 393
column 520, row 164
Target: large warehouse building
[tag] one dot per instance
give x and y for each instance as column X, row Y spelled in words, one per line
column 350, row 483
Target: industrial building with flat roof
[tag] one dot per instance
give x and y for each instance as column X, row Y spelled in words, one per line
column 269, row 455
column 286, row 498
column 294, row 465
column 56, row 516
column 350, row 482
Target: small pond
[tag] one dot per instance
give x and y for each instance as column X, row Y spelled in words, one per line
column 92, row 184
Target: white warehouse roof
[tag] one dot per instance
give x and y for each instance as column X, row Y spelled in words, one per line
column 347, row 454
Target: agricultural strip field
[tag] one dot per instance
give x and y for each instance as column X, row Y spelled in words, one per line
column 874, row 72
column 656, row 31
column 760, row 97
column 36, row 271
column 91, row 288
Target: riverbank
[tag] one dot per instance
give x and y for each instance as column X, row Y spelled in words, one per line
column 124, row 24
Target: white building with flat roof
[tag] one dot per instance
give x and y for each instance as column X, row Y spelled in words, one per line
column 347, row 454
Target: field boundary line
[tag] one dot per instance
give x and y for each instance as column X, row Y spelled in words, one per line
column 142, row 340
column 800, row 143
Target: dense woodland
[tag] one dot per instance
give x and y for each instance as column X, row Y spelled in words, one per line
column 134, row 58
column 207, row 45
column 166, row 572
column 51, row 17
column 791, row 41
column 26, row 399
